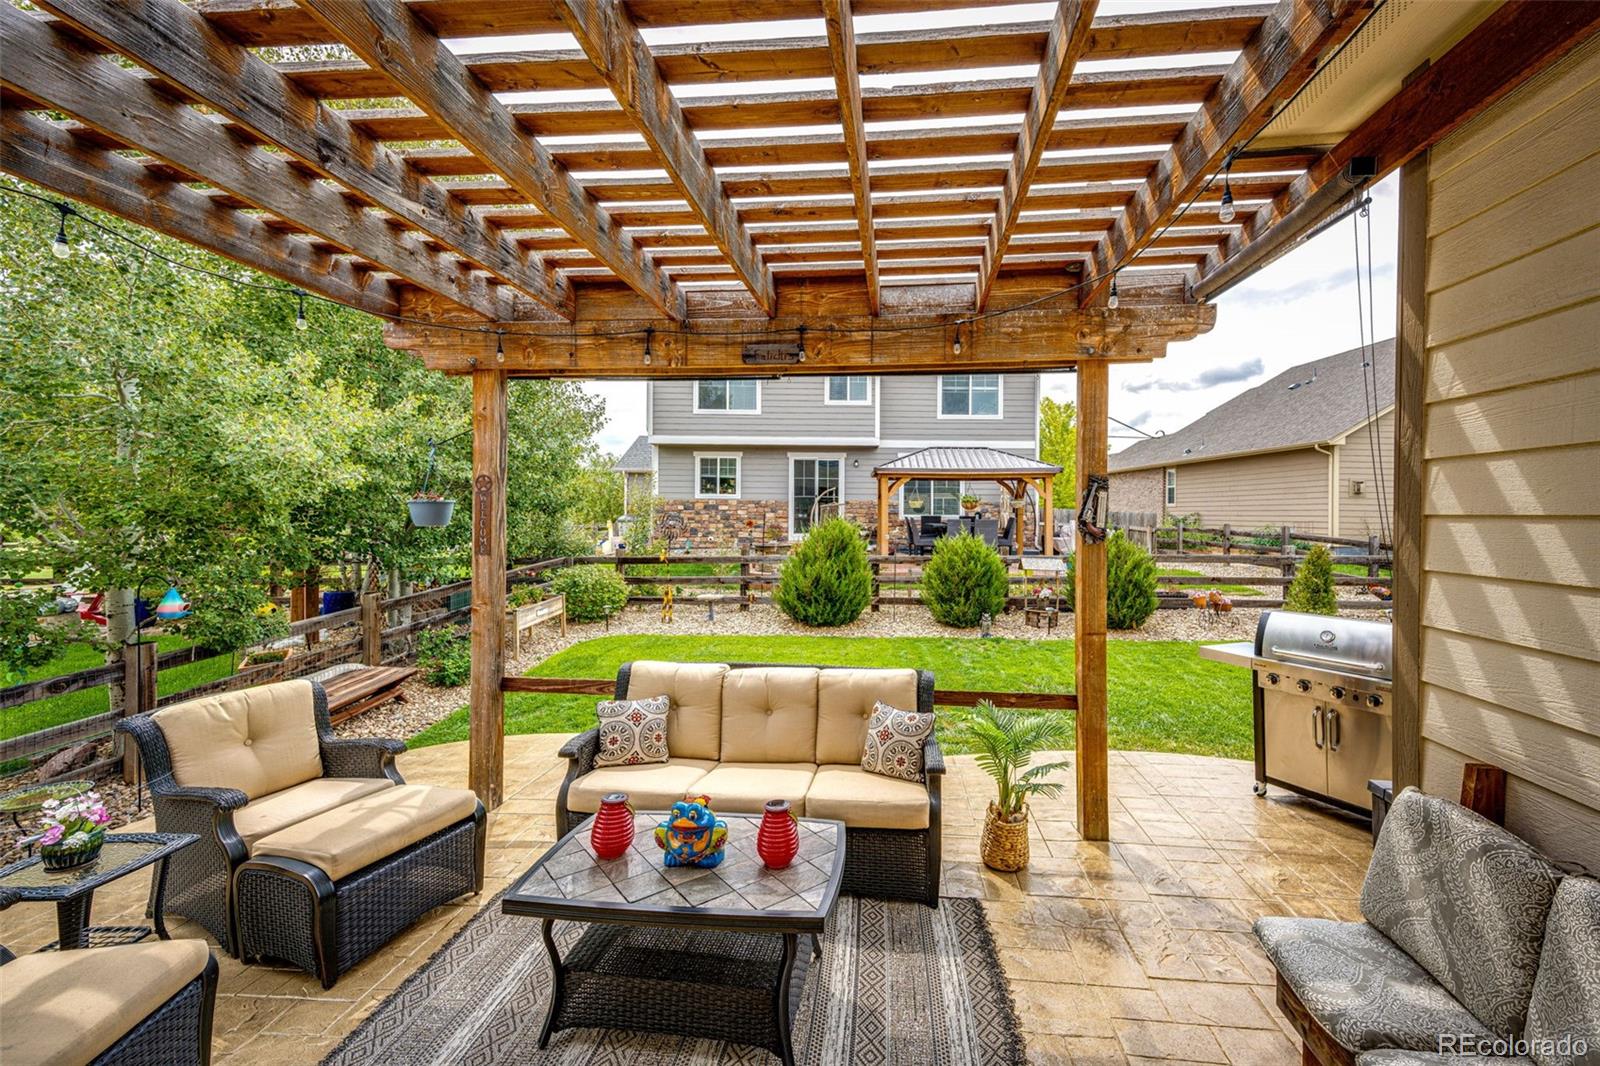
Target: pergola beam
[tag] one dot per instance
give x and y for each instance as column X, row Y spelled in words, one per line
column 169, row 39
column 45, row 64
column 1069, row 37
column 390, row 37
column 608, row 36
column 1272, row 67
column 41, row 152
column 840, row 20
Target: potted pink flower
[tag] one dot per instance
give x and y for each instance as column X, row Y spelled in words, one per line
column 74, row 831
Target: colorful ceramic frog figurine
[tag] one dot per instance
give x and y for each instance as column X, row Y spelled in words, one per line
column 692, row 835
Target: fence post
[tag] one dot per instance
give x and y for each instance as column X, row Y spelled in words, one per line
column 1286, row 549
column 1372, row 556
column 138, row 697
column 877, row 569
column 1227, row 538
column 744, row 583
column 1180, row 536
column 372, row 629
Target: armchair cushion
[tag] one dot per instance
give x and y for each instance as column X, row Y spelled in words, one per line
column 866, row 801
column 1360, row 987
column 652, row 786
column 745, row 787
column 1566, row 994
column 357, row 834
column 1465, row 899
column 259, row 740
column 1395, row 1057
column 769, row 714
column 267, row 815
column 694, row 725
column 845, row 699
column 66, row 1007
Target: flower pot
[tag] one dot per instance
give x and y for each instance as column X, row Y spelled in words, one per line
column 431, row 512
column 778, row 839
column 612, row 832
column 56, row 857
column 1004, row 845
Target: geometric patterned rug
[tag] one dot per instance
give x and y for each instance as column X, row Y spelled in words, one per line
column 898, row 983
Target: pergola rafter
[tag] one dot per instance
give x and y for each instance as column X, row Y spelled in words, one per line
column 847, row 89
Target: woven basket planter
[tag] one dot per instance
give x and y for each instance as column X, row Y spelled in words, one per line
column 1005, row 844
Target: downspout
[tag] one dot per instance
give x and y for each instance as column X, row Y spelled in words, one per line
column 1333, row 486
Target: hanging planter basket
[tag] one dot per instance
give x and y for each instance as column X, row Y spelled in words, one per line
column 426, row 512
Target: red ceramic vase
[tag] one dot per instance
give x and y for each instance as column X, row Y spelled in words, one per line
column 612, row 831
column 778, row 839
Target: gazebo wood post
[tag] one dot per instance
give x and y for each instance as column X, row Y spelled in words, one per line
column 1047, row 523
column 486, row 733
column 883, row 515
column 1089, row 614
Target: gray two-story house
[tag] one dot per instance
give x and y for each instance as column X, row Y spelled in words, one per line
column 762, row 458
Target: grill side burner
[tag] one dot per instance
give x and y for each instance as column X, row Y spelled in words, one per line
column 1321, row 694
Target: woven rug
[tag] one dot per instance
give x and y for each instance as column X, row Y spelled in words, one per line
column 898, row 983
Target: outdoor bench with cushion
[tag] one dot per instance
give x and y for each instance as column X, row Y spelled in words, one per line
column 133, row 1005
column 744, row 734
column 313, row 849
column 1470, row 936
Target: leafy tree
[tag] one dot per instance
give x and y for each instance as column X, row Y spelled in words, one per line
column 1130, row 583
column 1058, row 440
column 964, row 580
column 1312, row 589
column 594, row 593
column 597, row 489
column 827, row 580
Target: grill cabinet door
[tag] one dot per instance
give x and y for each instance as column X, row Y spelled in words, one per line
column 1358, row 751
column 1295, row 753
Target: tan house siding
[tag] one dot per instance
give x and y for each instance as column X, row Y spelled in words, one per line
column 1257, row 491
column 1510, row 537
column 1359, row 516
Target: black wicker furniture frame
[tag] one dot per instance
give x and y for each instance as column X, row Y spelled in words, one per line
column 880, row 863
column 72, row 891
column 275, row 907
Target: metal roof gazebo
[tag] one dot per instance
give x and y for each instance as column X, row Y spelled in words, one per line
column 1012, row 472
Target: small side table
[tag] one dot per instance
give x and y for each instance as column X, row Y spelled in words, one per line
column 72, row 891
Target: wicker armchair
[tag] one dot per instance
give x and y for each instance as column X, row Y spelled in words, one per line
column 260, row 889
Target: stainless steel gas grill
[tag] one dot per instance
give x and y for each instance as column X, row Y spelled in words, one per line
column 1321, row 692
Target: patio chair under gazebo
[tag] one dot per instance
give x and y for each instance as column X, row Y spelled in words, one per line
column 1014, row 473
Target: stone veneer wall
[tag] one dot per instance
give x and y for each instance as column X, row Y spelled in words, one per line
column 722, row 524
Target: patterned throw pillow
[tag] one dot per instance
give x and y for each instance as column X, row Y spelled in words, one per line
column 632, row 732
column 894, row 742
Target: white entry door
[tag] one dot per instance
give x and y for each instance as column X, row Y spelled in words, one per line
column 814, row 490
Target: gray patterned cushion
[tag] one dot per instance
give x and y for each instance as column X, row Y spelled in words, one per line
column 1391, row 1057
column 1566, row 995
column 1464, row 898
column 1365, row 992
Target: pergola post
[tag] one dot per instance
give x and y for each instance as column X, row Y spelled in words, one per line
column 1047, row 503
column 1089, row 614
column 883, row 515
column 486, row 733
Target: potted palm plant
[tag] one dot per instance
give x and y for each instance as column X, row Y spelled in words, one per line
column 1007, row 741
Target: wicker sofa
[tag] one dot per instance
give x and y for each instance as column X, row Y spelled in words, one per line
column 313, row 850
column 745, row 733
column 134, row 1005
column 1471, row 937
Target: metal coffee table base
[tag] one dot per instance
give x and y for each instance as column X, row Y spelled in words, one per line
column 717, row 984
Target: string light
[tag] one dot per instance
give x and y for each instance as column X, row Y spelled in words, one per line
column 802, row 331
column 499, row 345
column 300, row 322
column 1113, row 300
column 1225, row 213
column 956, row 347
column 61, row 248
column 649, row 334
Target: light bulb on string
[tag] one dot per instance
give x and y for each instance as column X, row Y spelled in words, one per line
column 649, row 332
column 300, row 322
column 1113, row 300
column 955, row 347
column 1225, row 212
column 499, row 345
column 802, row 331
column 61, row 248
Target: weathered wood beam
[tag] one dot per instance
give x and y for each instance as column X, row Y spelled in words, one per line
column 169, row 39
column 1089, row 616
column 44, row 65
column 608, row 36
column 386, row 34
column 1513, row 44
column 38, row 151
column 486, row 717
column 1272, row 67
column 1069, row 36
column 840, row 19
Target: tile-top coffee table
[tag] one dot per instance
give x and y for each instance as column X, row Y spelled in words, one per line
column 707, row 953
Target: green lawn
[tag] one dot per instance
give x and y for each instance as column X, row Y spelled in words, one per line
column 1226, row 590
column 1164, row 697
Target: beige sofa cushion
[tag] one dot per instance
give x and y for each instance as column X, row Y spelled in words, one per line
column 845, row 699
column 745, row 787
column 66, row 1007
column 650, row 786
column 359, row 833
column 259, row 740
column 694, row 725
column 267, row 815
column 866, row 801
column 769, row 714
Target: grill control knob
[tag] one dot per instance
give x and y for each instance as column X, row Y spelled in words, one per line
column 1374, row 700
column 1272, row 679
column 1337, row 692
column 1303, row 685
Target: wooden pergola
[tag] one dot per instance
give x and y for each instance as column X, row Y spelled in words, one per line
column 1016, row 474
column 943, row 222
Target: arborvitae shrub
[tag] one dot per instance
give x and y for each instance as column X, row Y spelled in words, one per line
column 964, row 580
column 826, row 581
column 1312, row 588
column 594, row 593
column 1130, row 583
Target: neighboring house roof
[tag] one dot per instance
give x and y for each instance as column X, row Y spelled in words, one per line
column 638, row 459
column 1313, row 403
column 957, row 462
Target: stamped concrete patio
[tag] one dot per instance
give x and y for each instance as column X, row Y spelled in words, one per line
column 1134, row 951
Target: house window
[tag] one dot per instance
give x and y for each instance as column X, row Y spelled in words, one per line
column 925, row 497
column 969, row 396
column 742, row 396
column 814, row 491
column 852, row 388
column 1172, row 485
column 718, row 476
